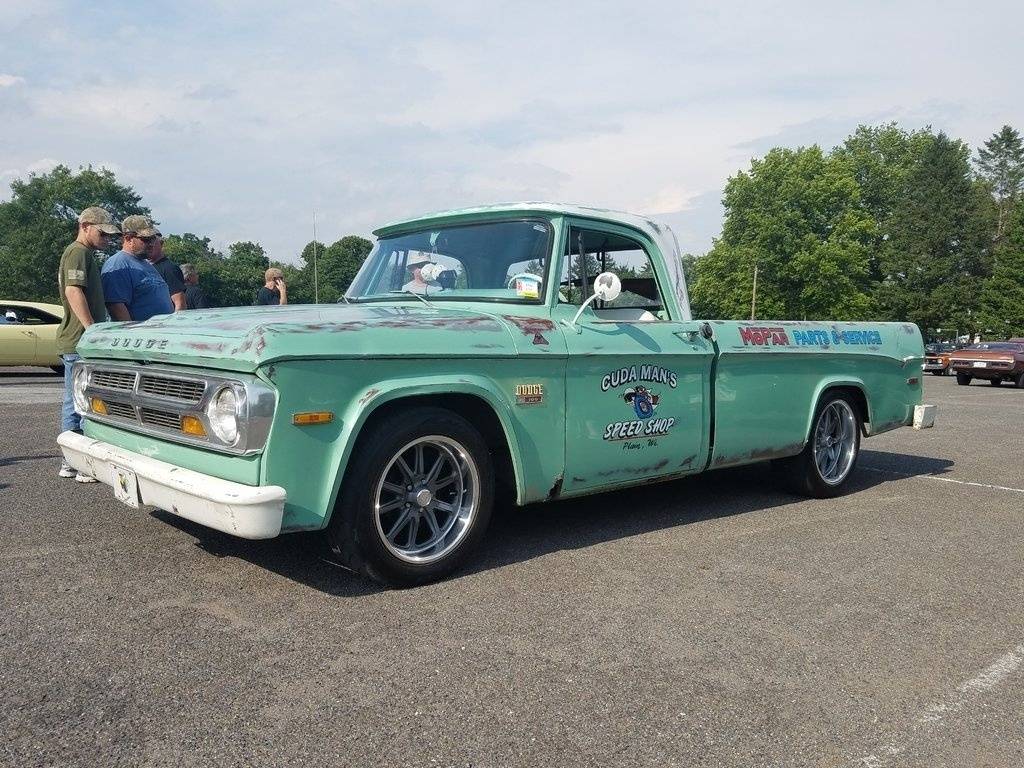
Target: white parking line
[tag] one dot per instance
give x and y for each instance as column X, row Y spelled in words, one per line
column 945, row 480
column 966, row 693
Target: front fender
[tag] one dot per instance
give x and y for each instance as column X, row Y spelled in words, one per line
column 365, row 403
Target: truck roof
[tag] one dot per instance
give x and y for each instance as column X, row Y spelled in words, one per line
column 660, row 233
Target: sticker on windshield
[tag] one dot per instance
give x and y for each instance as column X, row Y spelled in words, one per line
column 527, row 287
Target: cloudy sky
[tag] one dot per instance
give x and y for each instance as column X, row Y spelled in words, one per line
column 237, row 119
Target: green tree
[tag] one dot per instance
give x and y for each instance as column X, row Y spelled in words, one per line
column 796, row 214
column 40, row 219
column 938, row 253
column 1001, row 163
column 190, row 249
column 1002, row 295
column 881, row 158
column 341, row 260
column 233, row 281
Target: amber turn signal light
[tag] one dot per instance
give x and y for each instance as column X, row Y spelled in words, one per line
column 98, row 406
column 312, row 417
column 191, row 425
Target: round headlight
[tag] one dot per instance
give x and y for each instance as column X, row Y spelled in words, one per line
column 79, row 381
column 222, row 413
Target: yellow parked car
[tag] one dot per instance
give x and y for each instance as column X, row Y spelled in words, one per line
column 28, row 334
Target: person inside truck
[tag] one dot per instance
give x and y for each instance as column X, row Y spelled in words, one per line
column 418, row 284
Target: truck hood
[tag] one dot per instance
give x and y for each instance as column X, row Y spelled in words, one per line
column 244, row 338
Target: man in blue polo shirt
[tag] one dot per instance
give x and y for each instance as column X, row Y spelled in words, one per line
column 132, row 288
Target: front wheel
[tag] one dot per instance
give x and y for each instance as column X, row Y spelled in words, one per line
column 996, row 382
column 416, row 499
column 963, row 379
column 824, row 466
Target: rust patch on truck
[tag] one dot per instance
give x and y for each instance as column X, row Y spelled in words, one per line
column 415, row 322
column 532, row 326
column 204, row 346
column 635, row 470
column 370, row 394
column 759, row 454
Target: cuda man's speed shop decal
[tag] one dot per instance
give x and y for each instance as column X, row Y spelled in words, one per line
column 643, row 401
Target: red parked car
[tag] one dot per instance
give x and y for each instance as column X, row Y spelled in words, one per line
column 997, row 361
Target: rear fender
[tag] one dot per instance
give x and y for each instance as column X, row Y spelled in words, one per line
column 839, row 382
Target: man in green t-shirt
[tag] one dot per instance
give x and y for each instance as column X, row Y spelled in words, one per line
column 81, row 295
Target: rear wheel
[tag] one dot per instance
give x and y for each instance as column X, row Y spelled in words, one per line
column 416, row 499
column 1019, row 382
column 824, row 466
column 963, row 379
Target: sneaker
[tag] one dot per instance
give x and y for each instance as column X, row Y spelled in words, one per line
column 66, row 470
column 79, row 477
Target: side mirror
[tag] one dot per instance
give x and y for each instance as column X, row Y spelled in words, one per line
column 607, row 287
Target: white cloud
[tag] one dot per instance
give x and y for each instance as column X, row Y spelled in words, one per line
column 6, row 81
column 370, row 112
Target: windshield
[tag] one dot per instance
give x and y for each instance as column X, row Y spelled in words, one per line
column 504, row 261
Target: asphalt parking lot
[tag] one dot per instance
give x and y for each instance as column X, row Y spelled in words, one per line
column 714, row 621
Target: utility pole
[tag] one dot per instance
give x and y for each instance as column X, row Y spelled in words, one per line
column 316, row 277
column 753, row 296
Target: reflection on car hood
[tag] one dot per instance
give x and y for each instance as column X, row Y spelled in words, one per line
column 245, row 338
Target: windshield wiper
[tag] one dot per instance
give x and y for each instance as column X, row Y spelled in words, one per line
column 418, row 296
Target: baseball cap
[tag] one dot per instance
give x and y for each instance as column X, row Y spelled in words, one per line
column 142, row 226
column 100, row 218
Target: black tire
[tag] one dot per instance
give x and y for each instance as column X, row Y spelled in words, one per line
column 938, row 373
column 1019, row 382
column 802, row 473
column 58, row 369
column 356, row 532
column 963, row 379
column 996, row 382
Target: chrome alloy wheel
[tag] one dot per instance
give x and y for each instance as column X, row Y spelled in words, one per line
column 426, row 499
column 835, row 442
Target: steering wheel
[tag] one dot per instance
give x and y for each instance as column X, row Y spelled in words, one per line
column 518, row 275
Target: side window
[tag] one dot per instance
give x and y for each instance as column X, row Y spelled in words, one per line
column 31, row 316
column 590, row 252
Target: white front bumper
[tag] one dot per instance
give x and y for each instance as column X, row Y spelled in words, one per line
column 251, row 512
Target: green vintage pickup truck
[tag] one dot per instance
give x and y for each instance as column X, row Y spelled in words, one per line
column 526, row 352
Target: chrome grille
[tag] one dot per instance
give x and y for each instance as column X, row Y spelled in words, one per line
column 124, row 380
column 122, row 410
column 157, row 418
column 183, row 390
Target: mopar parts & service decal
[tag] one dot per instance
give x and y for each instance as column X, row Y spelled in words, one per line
column 764, row 336
column 774, row 336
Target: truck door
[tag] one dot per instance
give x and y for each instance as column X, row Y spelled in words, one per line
column 637, row 379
